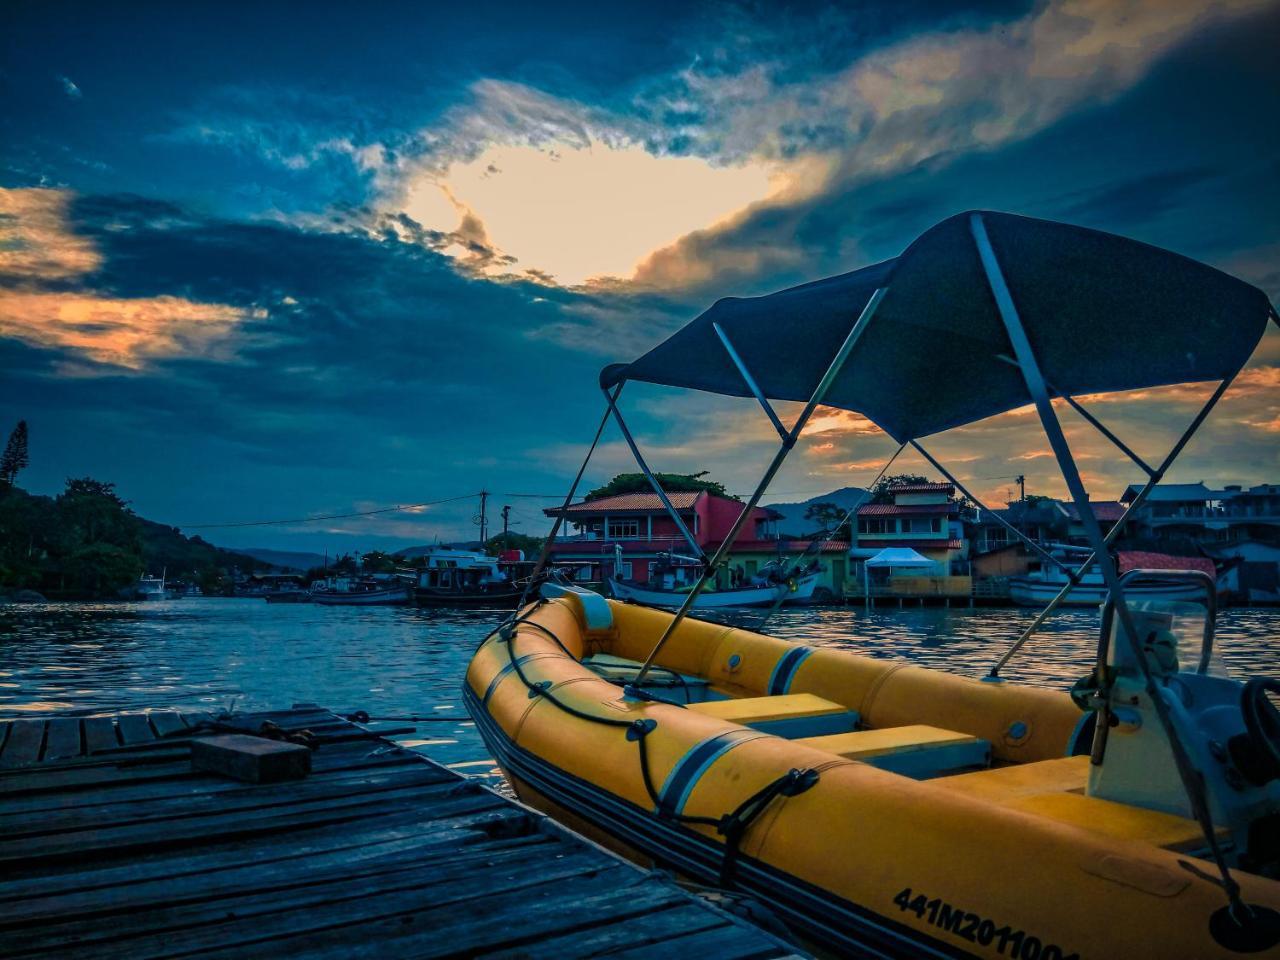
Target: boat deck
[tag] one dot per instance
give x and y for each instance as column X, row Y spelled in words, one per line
column 111, row 845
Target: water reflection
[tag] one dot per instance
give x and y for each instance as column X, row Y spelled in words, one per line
column 209, row 654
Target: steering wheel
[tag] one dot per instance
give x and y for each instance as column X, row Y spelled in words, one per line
column 1262, row 721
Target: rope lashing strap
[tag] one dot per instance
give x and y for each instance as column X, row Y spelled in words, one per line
column 735, row 824
column 732, row 825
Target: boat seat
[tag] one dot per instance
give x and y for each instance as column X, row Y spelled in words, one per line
column 1004, row 784
column 790, row 715
column 917, row 751
column 1055, row 789
column 662, row 681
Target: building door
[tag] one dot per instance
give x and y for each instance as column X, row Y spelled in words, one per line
column 751, row 566
column 837, row 574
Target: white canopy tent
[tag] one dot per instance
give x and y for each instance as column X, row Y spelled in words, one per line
column 902, row 557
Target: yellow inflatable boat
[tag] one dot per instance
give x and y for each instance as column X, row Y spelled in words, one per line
column 880, row 809
column 888, row 810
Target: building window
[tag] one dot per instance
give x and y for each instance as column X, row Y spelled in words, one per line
column 922, row 525
column 624, row 530
column 875, row 525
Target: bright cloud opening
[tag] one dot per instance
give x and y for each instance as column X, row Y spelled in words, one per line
column 583, row 212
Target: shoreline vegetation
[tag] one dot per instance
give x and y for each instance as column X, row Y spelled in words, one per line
column 87, row 544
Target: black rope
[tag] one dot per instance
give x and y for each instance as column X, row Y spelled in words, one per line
column 731, row 826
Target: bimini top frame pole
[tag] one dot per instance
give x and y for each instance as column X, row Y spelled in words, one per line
column 1156, row 476
column 573, row 488
column 824, row 536
column 653, row 481
column 1192, row 780
column 788, row 442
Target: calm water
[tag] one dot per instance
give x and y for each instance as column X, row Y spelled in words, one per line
column 211, row 654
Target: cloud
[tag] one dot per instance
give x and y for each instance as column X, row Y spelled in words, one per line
column 69, row 88
column 926, row 100
column 119, row 332
column 40, row 250
column 36, row 242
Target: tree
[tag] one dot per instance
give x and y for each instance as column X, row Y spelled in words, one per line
column 531, row 546
column 880, row 492
column 671, row 482
column 14, row 457
column 825, row 515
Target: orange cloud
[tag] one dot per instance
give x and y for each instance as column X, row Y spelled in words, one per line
column 36, row 242
column 120, row 332
column 37, row 245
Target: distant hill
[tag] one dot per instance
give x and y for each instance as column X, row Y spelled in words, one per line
column 410, row 553
column 286, row 559
column 793, row 522
column 165, row 548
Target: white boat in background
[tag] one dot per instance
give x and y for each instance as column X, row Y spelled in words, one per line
column 795, row 590
column 150, row 588
column 1040, row 586
column 361, row 592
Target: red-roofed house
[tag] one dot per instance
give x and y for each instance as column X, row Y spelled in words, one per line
column 641, row 526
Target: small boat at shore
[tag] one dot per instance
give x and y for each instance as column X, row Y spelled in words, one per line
column 361, row 592
column 150, row 588
column 1039, row 587
column 797, row 589
column 882, row 809
column 465, row 578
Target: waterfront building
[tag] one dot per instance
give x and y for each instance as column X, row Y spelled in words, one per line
column 923, row 517
column 1194, row 511
column 640, row 527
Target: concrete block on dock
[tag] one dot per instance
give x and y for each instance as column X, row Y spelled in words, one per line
column 251, row 759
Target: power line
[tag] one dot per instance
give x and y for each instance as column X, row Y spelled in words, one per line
column 327, row 516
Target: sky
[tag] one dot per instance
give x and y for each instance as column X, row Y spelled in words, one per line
column 273, row 261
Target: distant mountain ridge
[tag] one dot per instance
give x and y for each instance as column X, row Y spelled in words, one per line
column 285, row 559
column 793, row 522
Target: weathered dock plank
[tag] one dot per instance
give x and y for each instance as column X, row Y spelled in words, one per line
column 99, row 734
column 126, row 851
column 166, row 723
column 134, row 728
column 22, row 746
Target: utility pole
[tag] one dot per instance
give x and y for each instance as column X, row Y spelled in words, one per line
column 506, row 516
column 483, row 520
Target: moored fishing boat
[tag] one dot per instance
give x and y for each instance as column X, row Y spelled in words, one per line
column 797, row 589
column 882, row 809
column 1039, row 587
column 465, row 578
column 361, row 592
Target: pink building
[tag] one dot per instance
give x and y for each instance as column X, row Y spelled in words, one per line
column 641, row 526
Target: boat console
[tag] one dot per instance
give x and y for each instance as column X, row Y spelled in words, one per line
column 1228, row 730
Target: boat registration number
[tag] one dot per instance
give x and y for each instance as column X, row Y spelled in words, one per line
column 1016, row 944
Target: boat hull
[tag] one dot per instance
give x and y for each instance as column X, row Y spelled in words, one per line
column 864, row 861
column 754, row 597
column 398, row 597
column 506, row 599
column 1030, row 592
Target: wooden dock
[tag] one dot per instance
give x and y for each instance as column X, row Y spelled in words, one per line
column 111, row 846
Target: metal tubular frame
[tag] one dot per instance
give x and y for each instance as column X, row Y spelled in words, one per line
column 788, row 442
column 573, row 488
column 1115, row 531
column 1192, row 780
column 751, row 381
column 847, row 518
column 1102, row 429
column 653, row 481
column 1071, row 576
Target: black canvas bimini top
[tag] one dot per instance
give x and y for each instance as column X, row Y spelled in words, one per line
column 1102, row 313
